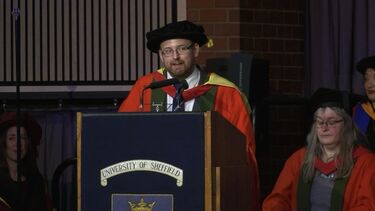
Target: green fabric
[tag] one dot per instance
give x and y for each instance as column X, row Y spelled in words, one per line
column 205, row 102
column 303, row 194
column 337, row 195
column 202, row 103
column 159, row 97
column 158, row 100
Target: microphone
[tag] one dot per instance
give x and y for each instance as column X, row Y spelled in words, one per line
column 158, row 84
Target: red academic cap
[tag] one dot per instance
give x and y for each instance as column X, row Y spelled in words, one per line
column 34, row 131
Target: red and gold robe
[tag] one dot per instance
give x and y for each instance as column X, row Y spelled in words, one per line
column 214, row 93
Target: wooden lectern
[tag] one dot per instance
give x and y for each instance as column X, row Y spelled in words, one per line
column 162, row 161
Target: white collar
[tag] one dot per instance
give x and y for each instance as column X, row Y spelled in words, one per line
column 192, row 79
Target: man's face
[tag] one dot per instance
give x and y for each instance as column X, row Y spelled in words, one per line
column 369, row 84
column 178, row 56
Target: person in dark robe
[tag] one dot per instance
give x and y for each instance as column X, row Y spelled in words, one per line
column 22, row 187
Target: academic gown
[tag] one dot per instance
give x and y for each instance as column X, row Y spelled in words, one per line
column 364, row 118
column 227, row 101
column 359, row 193
column 28, row 195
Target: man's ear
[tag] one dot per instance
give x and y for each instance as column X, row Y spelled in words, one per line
column 161, row 56
column 196, row 49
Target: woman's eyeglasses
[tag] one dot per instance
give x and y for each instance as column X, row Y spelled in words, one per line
column 329, row 123
column 180, row 50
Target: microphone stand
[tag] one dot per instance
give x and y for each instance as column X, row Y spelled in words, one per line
column 16, row 16
column 141, row 100
column 158, row 84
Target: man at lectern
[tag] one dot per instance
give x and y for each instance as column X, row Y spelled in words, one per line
column 180, row 85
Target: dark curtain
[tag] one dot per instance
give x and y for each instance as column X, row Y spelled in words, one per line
column 59, row 143
column 338, row 34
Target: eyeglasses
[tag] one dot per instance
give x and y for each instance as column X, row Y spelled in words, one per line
column 329, row 123
column 181, row 50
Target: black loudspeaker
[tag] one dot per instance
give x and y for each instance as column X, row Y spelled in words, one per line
column 239, row 72
column 250, row 74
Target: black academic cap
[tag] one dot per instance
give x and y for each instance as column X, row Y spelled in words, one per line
column 363, row 64
column 182, row 29
column 325, row 97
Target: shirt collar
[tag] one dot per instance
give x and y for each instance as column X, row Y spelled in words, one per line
column 193, row 78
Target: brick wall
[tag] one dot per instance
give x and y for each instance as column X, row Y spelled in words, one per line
column 272, row 30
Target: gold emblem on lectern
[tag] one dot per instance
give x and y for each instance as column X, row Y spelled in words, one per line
column 141, row 206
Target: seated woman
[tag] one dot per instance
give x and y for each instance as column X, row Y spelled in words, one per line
column 23, row 188
column 364, row 113
column 333, row 172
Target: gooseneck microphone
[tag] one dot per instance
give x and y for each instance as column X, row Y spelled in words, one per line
column 159, row 84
